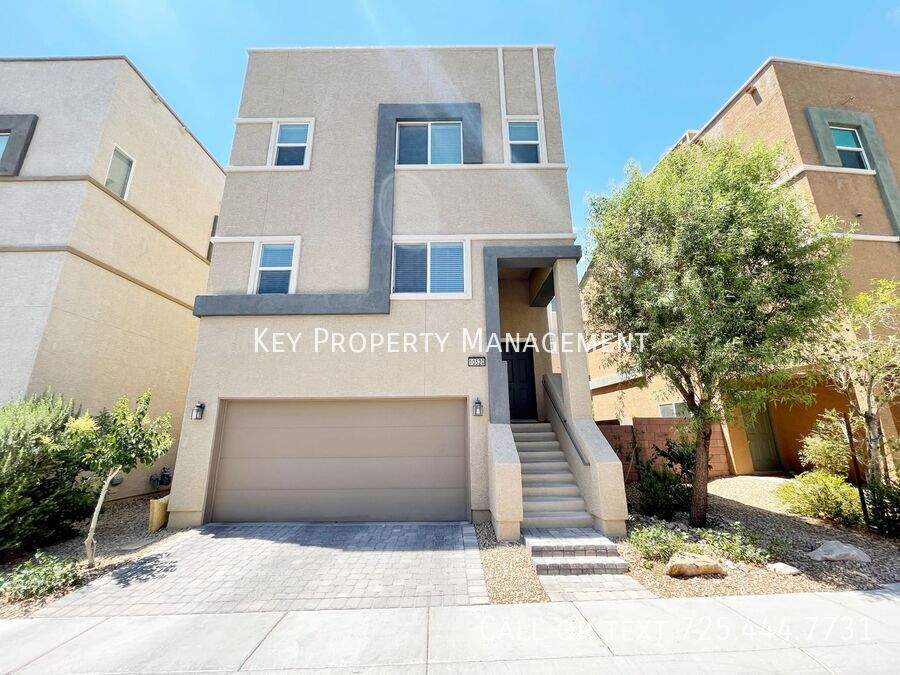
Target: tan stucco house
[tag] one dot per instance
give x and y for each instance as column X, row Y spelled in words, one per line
column 841, row 131
column 106, row 206
column 413, row 194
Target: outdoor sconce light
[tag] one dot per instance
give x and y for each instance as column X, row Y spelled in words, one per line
column 197, row 412
column 478, row 408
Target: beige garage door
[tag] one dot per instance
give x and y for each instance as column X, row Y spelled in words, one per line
column 341, row 460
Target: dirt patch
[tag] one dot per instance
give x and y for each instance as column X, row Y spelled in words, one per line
column 509, row 573
column 121, row 536
column 751, row 501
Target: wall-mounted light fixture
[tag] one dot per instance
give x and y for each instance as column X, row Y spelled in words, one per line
column 197, row 411
column 478, row 408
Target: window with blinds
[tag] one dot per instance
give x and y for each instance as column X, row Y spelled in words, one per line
column 430, row 267
column 276, row 264
column 524, row 143
column 429, row 143
column 118, row 176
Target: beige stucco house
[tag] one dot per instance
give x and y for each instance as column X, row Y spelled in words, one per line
column 106, row 206
column 413, row 194
column 840, row 127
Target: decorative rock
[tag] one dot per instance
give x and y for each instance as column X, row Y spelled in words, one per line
column 783, row 568
column 693, row 565
column 838, row 550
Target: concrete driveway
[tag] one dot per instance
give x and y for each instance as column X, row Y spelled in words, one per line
column 267, row 567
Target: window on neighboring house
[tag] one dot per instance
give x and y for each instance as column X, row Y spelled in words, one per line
column 4, row 139
column 846, row 140
column 430, row 267
column 429, row 143
column 291, row 145
column 676, row 409
column 118, row 177
column 524, row 143
column 275, row 269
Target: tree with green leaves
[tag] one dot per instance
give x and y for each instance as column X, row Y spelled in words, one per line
column 117, row 441
column 724, row 268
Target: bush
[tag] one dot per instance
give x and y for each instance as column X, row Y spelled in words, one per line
column 658, row 542
column 827, row 448
column 36, row 578
column 819, row 494
column 42, row 493
column 741, row 546
column 883, row 502
column 666, row 490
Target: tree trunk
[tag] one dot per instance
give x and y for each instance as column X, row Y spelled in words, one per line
column 90, row 544
column 699, row 497
column 873, row 445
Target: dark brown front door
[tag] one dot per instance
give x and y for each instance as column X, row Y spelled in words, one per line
column 520, row 377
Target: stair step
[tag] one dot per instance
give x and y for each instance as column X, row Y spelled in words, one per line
column 557, row 519
column 543, row 465
column 548, row 477
column 553, row 503
column 531, row 427
column 565, row 543
column 558, row 489
column 537, row 445
column 531, row 455
column 533, row 436
column 582, row 564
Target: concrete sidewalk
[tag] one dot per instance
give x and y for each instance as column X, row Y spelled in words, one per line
column 855, row 632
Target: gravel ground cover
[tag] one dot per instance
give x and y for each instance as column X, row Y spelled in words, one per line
column 751, row 501
column 509, row 573
column 121, row 535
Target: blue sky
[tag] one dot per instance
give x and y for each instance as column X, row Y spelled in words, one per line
column 632, row 76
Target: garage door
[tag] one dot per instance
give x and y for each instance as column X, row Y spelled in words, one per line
column 341, row 460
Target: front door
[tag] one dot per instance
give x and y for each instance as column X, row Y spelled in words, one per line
column 520, row 376
column 763, row 450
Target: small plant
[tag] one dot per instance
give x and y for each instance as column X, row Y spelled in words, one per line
column 666, row 489
column 44, row 575
column 827, row 447
column 819, row 494
column 736, row 544
column 883, row 502
column 658, row 542
column 778, row 550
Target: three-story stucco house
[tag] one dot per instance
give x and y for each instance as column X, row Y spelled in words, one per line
column 383, row 209
column 106, row 206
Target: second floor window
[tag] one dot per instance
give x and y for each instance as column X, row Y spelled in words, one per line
column 675, row 409
column 524, row 143
column 4, row 139
column 290, row 144
column 846, row 141
column 430, row 267
column 429, row 143
column 276, row 267
column 118, row 176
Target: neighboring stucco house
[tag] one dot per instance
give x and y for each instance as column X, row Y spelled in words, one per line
column 106, row 206
column 404, row 191
column 841, row 130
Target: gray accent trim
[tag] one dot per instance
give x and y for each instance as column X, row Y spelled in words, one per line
column 545, row 293
column 509, row 257
column 20, row 129
column 377, row 299
column 819, row 121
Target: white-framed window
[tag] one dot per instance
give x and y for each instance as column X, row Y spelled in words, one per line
column 421, row 143
column 674, row 409
column 850, row 150
column 4, row 139
column 275, row 266
column 291, row 143
column 430, row 269
column 120, row 172
column 524, row 141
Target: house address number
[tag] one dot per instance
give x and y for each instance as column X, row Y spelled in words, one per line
column 477, row 361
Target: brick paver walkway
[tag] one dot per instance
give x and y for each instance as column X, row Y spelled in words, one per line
column 291, row 566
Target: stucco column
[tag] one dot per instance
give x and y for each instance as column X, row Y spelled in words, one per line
column 573, row 361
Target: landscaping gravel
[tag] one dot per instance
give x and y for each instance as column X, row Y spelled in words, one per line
column 121, row 535
column 509, row 573
column 751, row 501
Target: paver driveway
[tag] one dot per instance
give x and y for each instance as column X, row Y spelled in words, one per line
column 289, row 566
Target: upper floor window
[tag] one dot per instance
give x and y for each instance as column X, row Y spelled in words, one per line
column 276, row 268
column 437, row 267
column 429, row 143
column 291, row 145
column 524, row 143
column 4, row 139
column 846, row 141
column 676, row 409
column 118, row 176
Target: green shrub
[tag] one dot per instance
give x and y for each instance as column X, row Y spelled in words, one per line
column 739, row 545
column 666, row 489
column 658, row 542
column 819, row 494
column 826, row 447
column 36, row 578
column 42, row 493
column 883, row 502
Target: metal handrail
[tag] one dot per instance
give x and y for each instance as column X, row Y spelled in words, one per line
column 564, row 421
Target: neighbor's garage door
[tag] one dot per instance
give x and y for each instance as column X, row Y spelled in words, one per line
column 382, row 459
